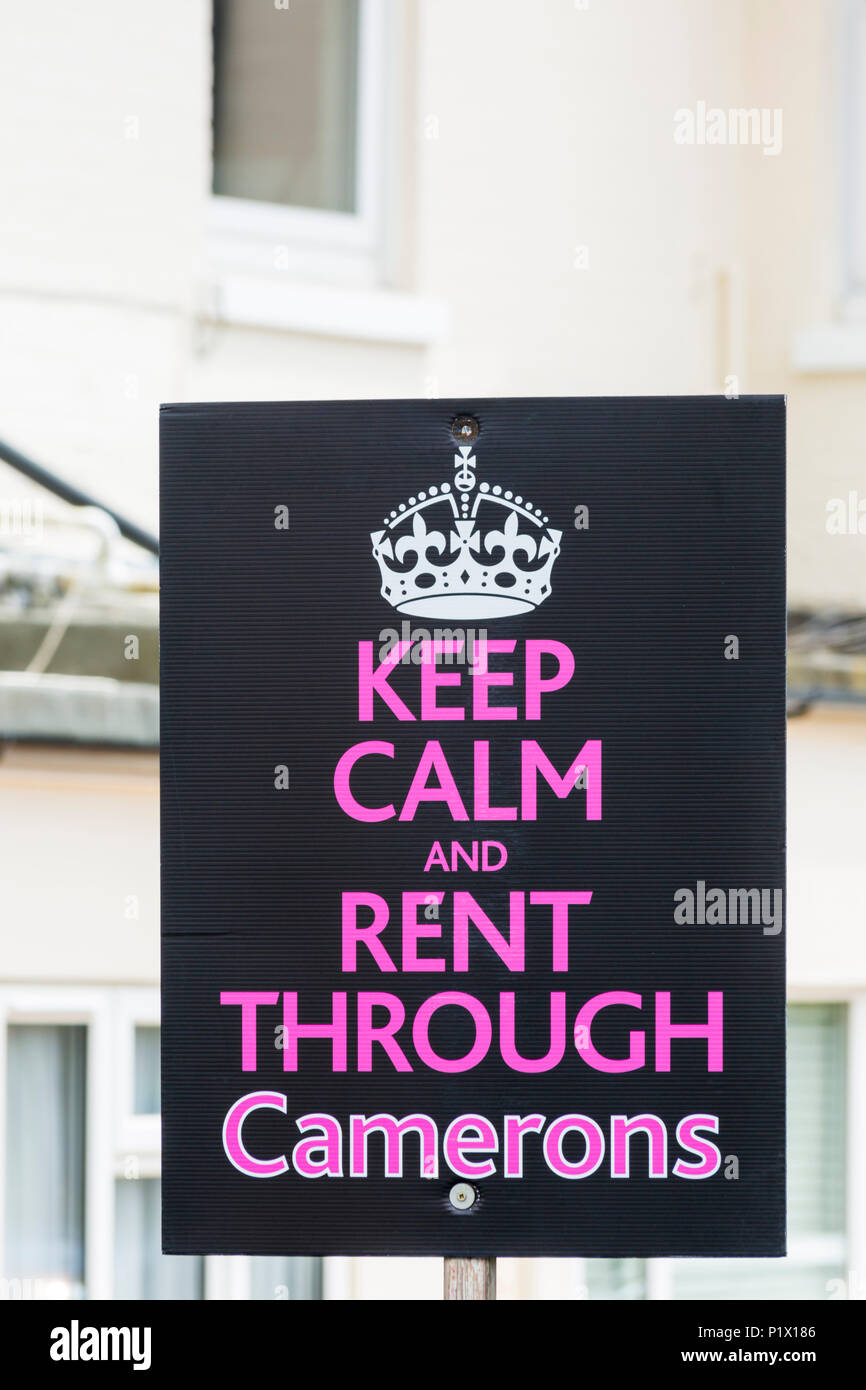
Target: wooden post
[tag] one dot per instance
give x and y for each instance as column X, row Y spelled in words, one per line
column 469, row 1278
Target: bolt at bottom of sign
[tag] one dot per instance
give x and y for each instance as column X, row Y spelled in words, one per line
column 462, row 1196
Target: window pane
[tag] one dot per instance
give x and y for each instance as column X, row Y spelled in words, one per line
column 816, row 1119
column 855, row 141
column 616, row 1278
column 146, row 1095
column 140, row 1268
column 285, row 102
column 752, row 1279
column 45, row 1117
column 285, row 1277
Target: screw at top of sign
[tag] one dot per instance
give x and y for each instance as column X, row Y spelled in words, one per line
column 465, row 429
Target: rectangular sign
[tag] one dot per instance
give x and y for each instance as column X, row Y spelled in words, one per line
column 473, row 735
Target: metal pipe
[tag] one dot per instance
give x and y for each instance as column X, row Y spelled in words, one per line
column 45, row 478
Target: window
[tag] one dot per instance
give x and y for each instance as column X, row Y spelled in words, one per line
column 45, row 1156
column 146, row 1055
column 140, row 1268
column 816, row 1189
column 816, row 1175
column 615, row 1279
column 286, row 103
column 285, row 1277
column 837, row 342
column 854, row 156
column 80, row 1159
column 299, row 166
column 305, row 227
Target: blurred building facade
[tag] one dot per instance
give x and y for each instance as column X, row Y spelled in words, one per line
column 379, row 198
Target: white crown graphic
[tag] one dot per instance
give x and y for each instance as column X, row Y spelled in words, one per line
column 449, row 554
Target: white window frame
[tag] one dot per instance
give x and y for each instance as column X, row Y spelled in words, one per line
column 332, row 273
column 135, row 1135
column 338, row 247
column 113, row 1133
column 91, row 1007
column 852, row 195
column 837, row 343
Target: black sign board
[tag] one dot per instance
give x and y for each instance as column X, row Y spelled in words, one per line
column 473, row 827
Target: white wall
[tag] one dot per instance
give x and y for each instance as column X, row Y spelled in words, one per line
column 80, row 838
column 104, row 147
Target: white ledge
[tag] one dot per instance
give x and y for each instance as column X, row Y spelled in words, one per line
column 377, row 315
column 830, row 347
